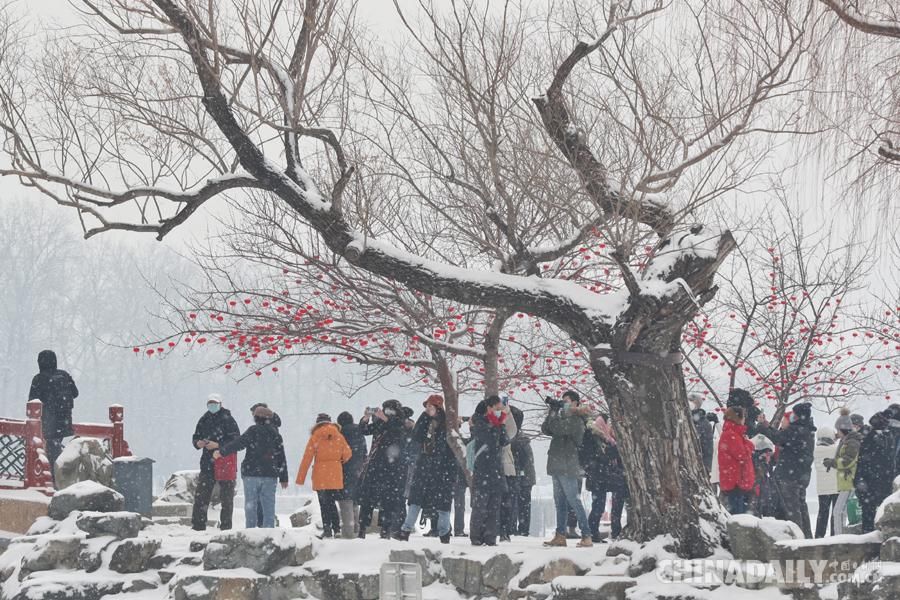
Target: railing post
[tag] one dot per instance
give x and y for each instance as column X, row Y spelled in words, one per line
column 37, row 466
column 118, row 444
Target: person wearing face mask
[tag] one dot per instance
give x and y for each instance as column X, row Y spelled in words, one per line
column 566, row 424
column 214, row 429
column 434, row 476
column 796, row 446
column 489, row 438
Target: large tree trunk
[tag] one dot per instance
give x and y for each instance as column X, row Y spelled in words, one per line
column 669, row 486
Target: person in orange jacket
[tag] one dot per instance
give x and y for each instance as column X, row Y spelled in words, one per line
column 736, row 473
column 330, row 451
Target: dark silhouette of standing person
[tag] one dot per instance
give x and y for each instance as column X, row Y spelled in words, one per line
column 57, row 392
column 215, row 428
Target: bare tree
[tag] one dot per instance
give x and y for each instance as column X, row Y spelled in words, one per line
column 785, row 327
column 185, row 102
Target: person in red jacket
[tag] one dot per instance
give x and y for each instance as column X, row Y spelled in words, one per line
column 736, row 476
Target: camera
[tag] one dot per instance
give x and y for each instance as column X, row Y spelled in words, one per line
column 553, row 403
column 371, row 410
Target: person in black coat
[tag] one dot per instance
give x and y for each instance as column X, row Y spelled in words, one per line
column 435, row 472
column 214, row 429
column 874, row 469
column 276, row 422
column 525, row 473
column 488, row 482
column 793, row 469
column 357, row 442
column 704, row 432
column 383, row 477
column 264, row 465
column 56, row 390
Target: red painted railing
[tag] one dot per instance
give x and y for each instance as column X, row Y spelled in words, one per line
column 37, row 466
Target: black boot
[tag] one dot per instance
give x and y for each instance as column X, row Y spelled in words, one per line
column 445, row 539
column 402, row 536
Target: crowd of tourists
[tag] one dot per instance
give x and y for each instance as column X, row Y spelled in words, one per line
column 765, row 470
column 419, row 468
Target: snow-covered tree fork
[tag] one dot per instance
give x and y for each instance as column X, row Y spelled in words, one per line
column 670, row 109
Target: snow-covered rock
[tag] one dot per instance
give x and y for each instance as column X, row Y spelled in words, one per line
column 887, row 518
column 872, row 581
column 591, row 588
column 133, row 555
column 48, row 554
column 838, row 556
column 890, row 550
column 304, row 515
column 83, row 459
column 85, row 496
column 180, row 488
column 231, row 585
column 752, row 538
column 549, row 571
column 119, row 525
column 261, row 550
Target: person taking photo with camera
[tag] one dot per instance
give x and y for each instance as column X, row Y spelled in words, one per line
column 565, row 425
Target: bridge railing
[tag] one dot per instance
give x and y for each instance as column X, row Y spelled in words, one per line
column 23, row 456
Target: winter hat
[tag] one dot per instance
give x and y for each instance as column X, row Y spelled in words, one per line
column 734, row 414
column 825, row 432
column 803, row 410
column 257, row 405
column 393, row 406
column 761, row 442
column 879, row 420
column 434, row 400
column 857, row 420
column 262, row 412
column 845, row 421
column 893, row 411
column 217, row 398
column 572, row 395
column 345, row 419
column 739, row 397
column 407, row 412
column 323, row 418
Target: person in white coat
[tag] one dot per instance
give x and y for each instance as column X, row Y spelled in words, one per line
column 826, row 479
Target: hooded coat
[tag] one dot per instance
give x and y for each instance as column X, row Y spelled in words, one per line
column 56, row 390
column 735, row 458
column 490, row 438
column 219, row 427
column 796, row 447
column 846, row 459
column 331, row 452
column 436, row 469
column 383, row 475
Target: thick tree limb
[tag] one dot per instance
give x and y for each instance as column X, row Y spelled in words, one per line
column 852, row 17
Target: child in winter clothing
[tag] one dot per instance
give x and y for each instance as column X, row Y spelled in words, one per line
column 330, row 451
column 736, row 476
